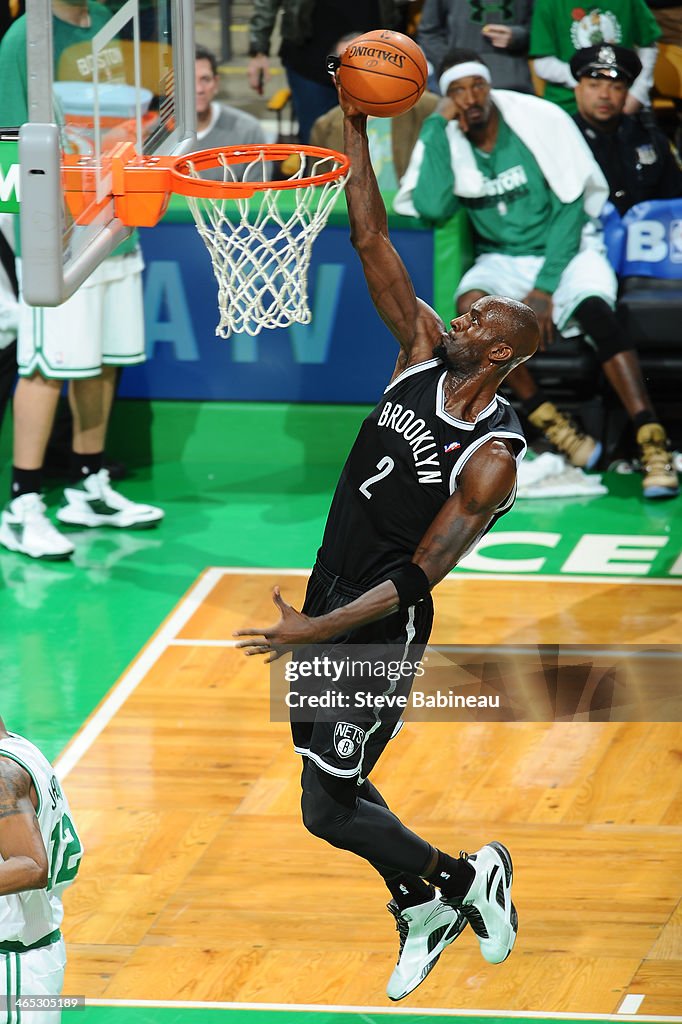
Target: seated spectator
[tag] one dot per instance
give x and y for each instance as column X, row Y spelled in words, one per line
column 559, row 28
column 391, row 139
column 638, row 160
column 217, row 123
column 499, row 33
column 521, row 170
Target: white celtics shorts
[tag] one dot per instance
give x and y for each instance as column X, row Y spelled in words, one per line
column 588, row 273
column 37, row 972
column 102, row 323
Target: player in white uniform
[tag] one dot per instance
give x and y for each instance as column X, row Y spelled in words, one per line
column 40, row 853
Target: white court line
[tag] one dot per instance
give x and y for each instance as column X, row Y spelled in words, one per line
column 166, row 637
column 203, row 643
column 665, row 581
column 416, row 1011
column 631, row 1003
column 131, row 679
column 538, row 577
column 573, row 649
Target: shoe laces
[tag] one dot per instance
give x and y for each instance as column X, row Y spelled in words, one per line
column 103, row 482
column 564, row 433
column 31, row 508
column 103, row 490
column 654, row 454
column 31, row 505
column 402, row 926
column 472, row 914
column 34, row 515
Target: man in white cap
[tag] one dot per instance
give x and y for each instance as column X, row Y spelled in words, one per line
column 638, row 160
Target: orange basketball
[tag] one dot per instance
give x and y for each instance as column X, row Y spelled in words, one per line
column 383, row 73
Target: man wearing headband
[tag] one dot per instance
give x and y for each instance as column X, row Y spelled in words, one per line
column 533, row 192
column 637, row 159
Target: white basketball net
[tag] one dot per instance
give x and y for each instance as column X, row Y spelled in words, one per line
column 260, row 252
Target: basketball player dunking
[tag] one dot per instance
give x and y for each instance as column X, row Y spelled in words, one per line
column 432, row 469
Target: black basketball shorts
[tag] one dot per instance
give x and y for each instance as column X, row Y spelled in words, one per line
column 365, row 673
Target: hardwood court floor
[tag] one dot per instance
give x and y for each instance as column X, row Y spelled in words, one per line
column 200, row 883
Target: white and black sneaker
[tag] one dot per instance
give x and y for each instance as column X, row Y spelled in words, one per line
column 487, row 904
column 25, row 528
column 94, row 502
column 425, row 931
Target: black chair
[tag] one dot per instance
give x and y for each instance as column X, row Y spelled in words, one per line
column 651, row 309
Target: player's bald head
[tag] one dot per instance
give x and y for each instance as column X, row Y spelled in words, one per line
column 511, row 322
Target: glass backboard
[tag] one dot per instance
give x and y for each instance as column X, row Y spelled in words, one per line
column 99, row 74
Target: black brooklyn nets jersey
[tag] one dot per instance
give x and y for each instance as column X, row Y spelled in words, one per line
column 401, row 470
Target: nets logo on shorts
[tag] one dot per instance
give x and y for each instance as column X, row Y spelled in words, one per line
column 347, row 739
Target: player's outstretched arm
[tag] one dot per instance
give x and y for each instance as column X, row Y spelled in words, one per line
column 484, row 484
column 415, row 325
column 24, row 860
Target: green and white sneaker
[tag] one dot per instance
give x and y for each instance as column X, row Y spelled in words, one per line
column 94, row 502
column 424, row 931
column 25, row 528
column 487, row 904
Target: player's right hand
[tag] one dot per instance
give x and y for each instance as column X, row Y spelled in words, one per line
column 447, row 109
column 499, row 35
column 293, row 629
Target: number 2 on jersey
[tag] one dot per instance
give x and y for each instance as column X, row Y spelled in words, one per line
column 384, row 466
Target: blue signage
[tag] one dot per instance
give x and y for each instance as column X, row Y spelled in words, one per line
column 647, row 241
column 345, row 355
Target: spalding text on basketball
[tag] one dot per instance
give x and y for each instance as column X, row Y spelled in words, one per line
column 398, row 59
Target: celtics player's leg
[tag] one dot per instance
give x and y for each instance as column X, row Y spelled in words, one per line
column 24, row 526
column 90, row 400
column 110, row 313
column 29, row 978
column 35, row 403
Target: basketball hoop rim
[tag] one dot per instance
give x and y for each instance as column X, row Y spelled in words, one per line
column 141, row 186
column 184, row 183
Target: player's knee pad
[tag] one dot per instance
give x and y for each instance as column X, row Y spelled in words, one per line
column 599, row 321
column 327, row 804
